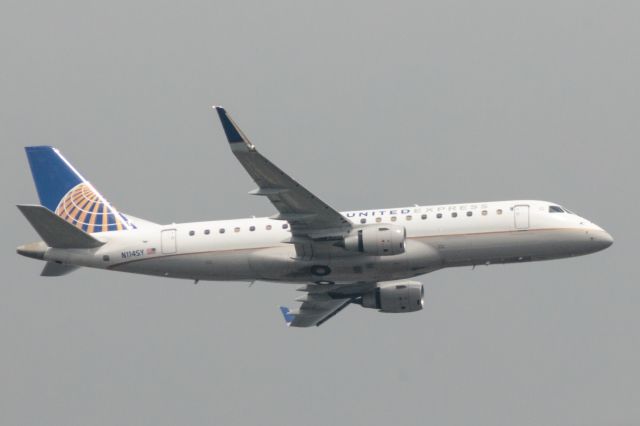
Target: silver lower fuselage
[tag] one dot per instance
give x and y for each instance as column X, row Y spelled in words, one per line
column 263, row 249
column 422, row 255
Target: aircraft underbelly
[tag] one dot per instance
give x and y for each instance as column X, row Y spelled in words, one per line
column 280, row 264
column 507, row 247
column 422, row 256
column 205, row 266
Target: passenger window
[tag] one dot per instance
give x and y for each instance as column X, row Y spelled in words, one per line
column 207, row 232
column 499, row 211
column 252, row 228
column 363, row 220
column 555, row 209
column 378, row 219
column 192, row 233
column 484, row 212
column 409, row 217
column 221, row 230
column 469, row 214
column 454, row 214
column 236, row 229
column 439, row 215
column 424, row 216
column 393, row 218
column 268, row 227
column 285, row 226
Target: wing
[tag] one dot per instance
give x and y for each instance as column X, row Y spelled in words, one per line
column 314, row 312
column 322, row 302
column 308, row 215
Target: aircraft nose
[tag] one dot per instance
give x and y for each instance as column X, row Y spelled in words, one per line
column 601, row 239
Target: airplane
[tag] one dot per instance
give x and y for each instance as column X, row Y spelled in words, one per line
column 363, row 257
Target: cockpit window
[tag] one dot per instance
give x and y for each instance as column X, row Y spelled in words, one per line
column 555, row 209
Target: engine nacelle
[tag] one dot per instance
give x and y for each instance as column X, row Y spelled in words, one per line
column 395, row 297
column 377, row 240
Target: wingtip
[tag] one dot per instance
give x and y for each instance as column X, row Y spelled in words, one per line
column 288, row 316
column 231, row 130
column 236, row 138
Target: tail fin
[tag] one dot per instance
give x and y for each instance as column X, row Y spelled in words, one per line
column 65, row 192
column 55, row 231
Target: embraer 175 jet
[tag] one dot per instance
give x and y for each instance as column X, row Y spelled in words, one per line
column 364, row 257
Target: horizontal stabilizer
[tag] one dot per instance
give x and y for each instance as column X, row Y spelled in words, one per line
column 54, row 269
column 55, row 231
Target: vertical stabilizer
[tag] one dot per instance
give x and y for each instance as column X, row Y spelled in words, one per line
column 65, row 192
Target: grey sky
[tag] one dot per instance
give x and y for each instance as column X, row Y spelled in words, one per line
column 369, row 104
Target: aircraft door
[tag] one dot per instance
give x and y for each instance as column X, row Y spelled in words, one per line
column 168, row 240
column 521, row 217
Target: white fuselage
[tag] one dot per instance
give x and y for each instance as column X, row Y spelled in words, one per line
column 260, row 248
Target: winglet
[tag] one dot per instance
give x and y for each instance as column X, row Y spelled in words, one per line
column 231, row 129
column 288, row 316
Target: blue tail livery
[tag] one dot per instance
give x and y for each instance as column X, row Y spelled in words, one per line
column 65, row 192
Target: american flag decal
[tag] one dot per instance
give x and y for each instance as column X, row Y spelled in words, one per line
column 151, row 250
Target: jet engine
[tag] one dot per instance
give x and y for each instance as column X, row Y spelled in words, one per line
column 395, row 297
column 376, row 240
